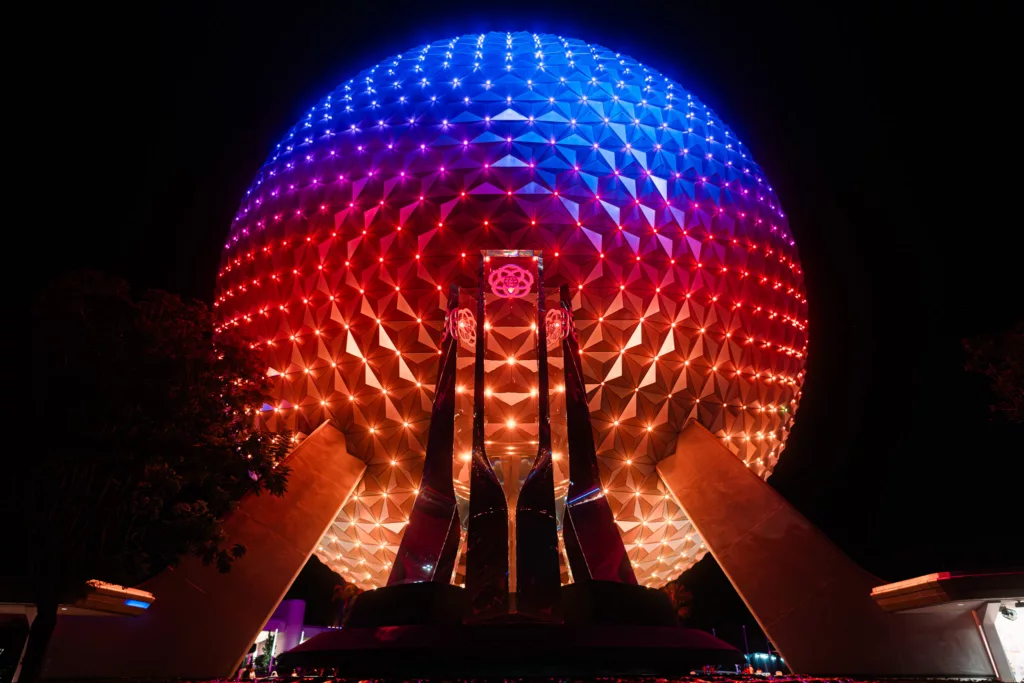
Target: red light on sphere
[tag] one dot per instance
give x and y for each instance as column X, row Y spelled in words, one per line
column 657, row 240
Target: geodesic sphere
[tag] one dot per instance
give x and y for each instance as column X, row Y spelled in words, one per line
column 688, row 293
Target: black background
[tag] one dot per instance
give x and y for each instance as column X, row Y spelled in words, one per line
column 877, row 125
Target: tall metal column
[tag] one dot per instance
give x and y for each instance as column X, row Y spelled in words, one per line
column 487, row 538
column 538, row 578
column 592, row 540
column 431, row 541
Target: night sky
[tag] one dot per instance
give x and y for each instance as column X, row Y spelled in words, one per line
column 870, row 122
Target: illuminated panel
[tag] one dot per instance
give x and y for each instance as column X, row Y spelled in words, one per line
column 687, row 291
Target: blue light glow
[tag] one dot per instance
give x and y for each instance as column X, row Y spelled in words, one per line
column 686, row 282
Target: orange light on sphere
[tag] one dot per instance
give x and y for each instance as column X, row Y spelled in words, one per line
column 688, row 295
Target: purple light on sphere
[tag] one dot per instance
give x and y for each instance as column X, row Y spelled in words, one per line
column 688, row 292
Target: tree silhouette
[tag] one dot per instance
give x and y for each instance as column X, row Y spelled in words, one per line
column 682, row 599
column 345, row 598
column 145, row 441
column 1000, row 357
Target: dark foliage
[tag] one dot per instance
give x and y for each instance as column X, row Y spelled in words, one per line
column 682, row 599
column 144, row 439
column 345, row 595
column 1000, row 357
column 265, row 661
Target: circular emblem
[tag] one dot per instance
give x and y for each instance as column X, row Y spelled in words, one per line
column 465, row 327
column 451, row 325
column 556, row 325
column 510, row 281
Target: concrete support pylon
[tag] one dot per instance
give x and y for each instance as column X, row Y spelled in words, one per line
column 202, row 622
column 812, row 601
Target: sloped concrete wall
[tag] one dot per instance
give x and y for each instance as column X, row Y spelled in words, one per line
column 203, row 622
column 812, row 600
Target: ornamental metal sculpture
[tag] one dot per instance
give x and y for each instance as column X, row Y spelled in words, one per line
column 465, row 327
column 510, row 281
column 684, row 278
column 556, row 325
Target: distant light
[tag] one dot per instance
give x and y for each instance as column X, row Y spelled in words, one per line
column 136, row 603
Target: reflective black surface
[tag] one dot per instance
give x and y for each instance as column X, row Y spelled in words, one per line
column 592, row 540
column 431, row 541
column 538, row 582
column 487, row 535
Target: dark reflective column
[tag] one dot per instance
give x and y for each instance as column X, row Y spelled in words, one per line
column 538, row 584
column 431, row 540
column 487, row 535
column 592, row 540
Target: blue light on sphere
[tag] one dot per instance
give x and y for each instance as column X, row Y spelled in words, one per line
column 688, row 293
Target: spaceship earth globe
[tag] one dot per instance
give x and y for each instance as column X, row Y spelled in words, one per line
column 688, row 294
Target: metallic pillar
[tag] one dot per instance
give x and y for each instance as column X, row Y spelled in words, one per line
column 487, row 587
column 538, row 582
column 431, row 541
column 592, row 540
